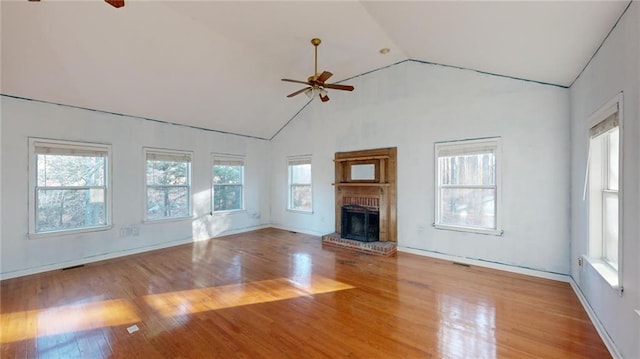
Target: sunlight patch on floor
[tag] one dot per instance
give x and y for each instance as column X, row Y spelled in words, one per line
column 70, row 318
column 22, row 325
column 213, row 298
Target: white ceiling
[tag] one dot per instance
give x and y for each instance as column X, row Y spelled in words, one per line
column 217, row 65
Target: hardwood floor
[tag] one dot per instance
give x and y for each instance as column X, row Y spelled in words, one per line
column 276, row 294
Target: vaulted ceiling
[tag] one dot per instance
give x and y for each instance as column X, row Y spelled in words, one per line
column 217, row 65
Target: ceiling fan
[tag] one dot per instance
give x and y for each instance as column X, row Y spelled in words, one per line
column 316, row 82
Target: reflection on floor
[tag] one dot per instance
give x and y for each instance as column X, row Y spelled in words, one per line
column 277, row 294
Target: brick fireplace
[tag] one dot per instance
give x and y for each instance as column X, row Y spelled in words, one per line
column 365, row 187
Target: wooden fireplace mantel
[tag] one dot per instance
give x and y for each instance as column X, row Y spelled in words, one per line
column 379, row 192
column 361, row 184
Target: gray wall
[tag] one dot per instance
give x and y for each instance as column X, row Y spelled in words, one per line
column 22, row 119
column 413, row 105
column 615, row 69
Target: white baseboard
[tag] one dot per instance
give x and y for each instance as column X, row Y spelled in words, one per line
column 608, row 342
column 492, row 265
column 112, row 255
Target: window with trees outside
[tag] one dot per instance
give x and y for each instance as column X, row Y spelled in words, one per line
column 168, row 182
column 228, row 183
column 603, row 177
column 467, row 184
column 300, row 194
column 69, row 186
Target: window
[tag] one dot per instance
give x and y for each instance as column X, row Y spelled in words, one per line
column 168, row 179
column 603, row 176
column 300, row 184
column 228, row 183
column 70, row 186
column 467, row 180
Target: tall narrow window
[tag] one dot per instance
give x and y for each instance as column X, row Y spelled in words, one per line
column 168, row 180
column 228, row 183
column 467, row 180
column 604, row 155
column 69, row 186
column 300, row 194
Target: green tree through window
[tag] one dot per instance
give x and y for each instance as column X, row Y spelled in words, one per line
column 70, row 186
column 168, row 185
column 228, row 182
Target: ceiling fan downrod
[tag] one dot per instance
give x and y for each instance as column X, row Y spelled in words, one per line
column 315, row 42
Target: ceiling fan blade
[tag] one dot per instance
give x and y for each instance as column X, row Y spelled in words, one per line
column 338, row 87
column 296, row 81
column 299, row 92
column 324, row 76
column 115, row 3
column 324, row 98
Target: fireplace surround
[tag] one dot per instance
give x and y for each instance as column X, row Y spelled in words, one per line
column 365, row 201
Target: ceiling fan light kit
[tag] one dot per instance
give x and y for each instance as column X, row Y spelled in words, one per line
column 316, row 83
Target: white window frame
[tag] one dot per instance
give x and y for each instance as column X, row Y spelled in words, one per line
column 187, row 156
column 230, row 160
column 292, row 161
column 66, row 146
column 599, row 124
column 460, row 147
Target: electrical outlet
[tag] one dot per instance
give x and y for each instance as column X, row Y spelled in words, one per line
column 579, row 261
column 135, row 231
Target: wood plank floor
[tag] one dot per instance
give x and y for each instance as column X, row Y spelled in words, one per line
column 276, row 294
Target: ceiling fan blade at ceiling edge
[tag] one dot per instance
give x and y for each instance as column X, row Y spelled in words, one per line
column 298, row 82
column 115, row 3
column 339, row 87
column 299, row 92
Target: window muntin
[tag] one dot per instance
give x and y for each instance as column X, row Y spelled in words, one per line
column 168, row 184
column 228, row 183
column 467, row 185
column 300, row 191
column 70, row 186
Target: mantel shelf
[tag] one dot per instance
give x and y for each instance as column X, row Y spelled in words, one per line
column 361, row 184
column 363, row 158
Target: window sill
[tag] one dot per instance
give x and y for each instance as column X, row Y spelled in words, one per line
column 228, row 212
column 68, row 232
column 302, row 211
column 606, row 271
column 492, row 232
column 163, row 220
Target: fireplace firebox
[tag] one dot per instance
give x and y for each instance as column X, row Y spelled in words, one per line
column 360, row 223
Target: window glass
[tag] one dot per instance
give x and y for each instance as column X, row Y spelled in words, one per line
column 228, row 178
column 70, row 186
column 603, row 185
column 613, row 152
column 168, row 180
column 467, row 190
column 300, row 192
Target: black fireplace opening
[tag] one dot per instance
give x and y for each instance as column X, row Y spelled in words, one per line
column 360, row 223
